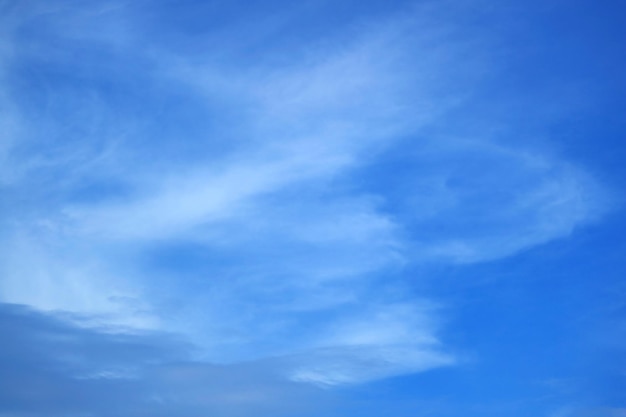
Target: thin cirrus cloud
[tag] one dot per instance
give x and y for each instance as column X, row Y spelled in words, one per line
column 265, row 210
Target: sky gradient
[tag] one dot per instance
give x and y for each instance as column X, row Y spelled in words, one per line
column 316, row 209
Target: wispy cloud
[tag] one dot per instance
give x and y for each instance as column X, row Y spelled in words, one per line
column 260, row 227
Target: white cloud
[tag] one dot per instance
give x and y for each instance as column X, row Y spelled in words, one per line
column 41, row 270
column 292, row 235
column 355, row 364
column 479, row 201
column 374, row 343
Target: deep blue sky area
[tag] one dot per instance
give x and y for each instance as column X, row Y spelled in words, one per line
column 312, row 209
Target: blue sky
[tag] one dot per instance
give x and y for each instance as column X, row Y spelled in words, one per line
column 312, row 209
